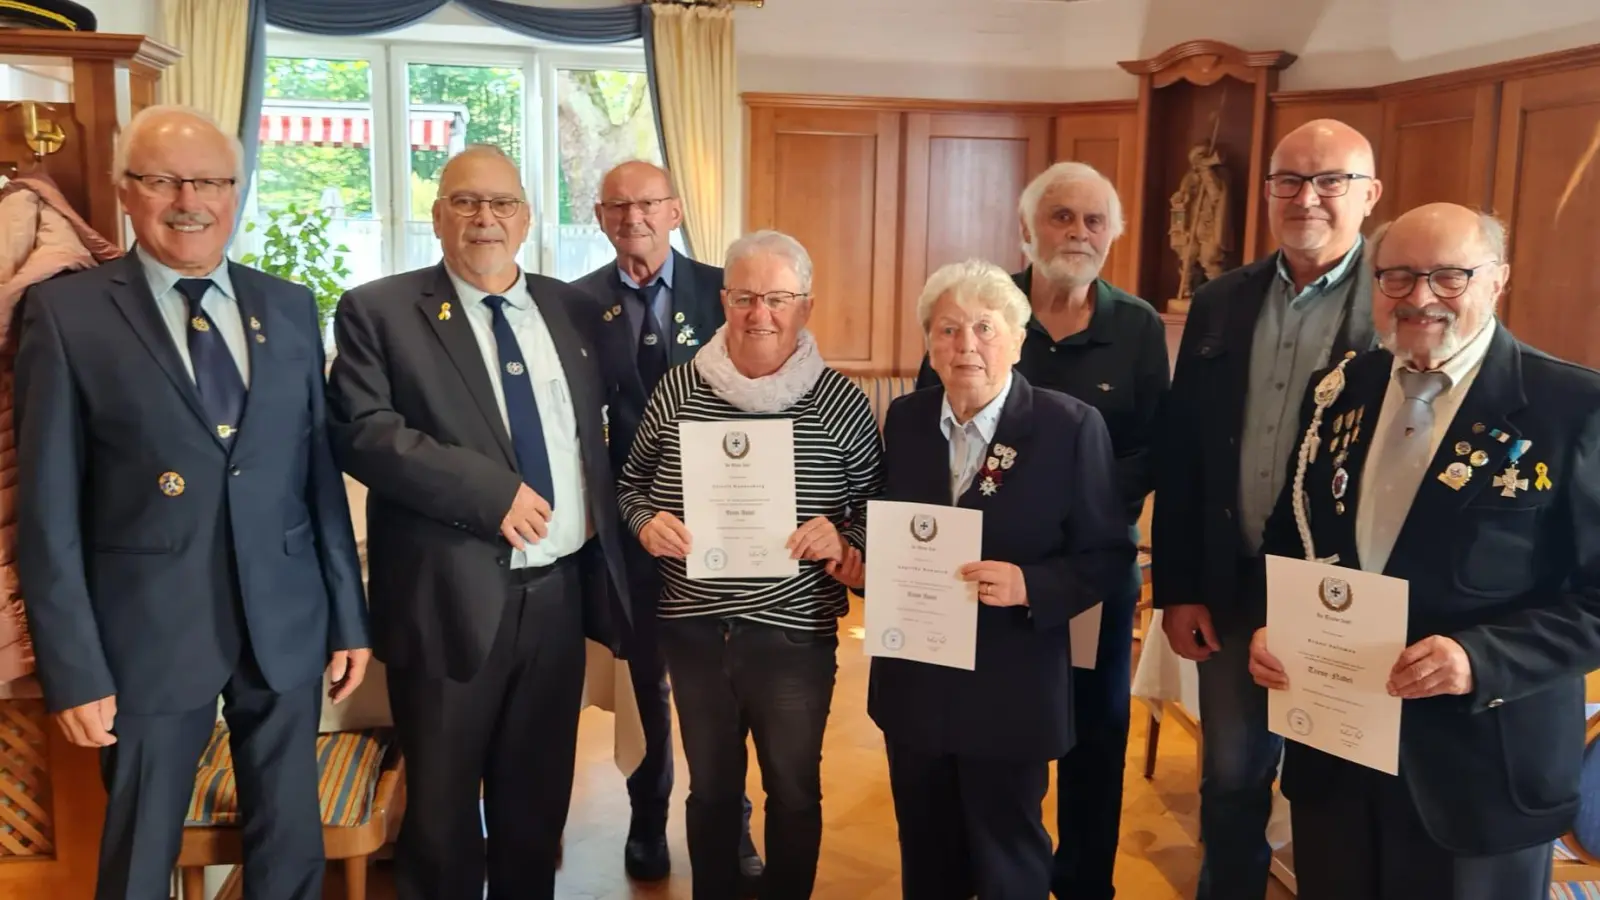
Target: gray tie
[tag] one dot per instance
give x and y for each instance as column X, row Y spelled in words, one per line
column 1420, row 388
column 1396, row 468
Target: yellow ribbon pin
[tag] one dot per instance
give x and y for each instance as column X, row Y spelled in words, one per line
column 444, row 312
column 1542, row 483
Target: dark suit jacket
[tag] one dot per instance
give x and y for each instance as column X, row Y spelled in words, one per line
column 1197, row 483
column 131, row 591
column 1056, row 515
column 1514, row 580
column 697, row 297
column 414, row 418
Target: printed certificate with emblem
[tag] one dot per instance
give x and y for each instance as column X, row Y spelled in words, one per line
column 918, row 608
column 1337, row 632
column 738, row 498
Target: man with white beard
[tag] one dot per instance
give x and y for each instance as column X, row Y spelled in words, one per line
column 1478, row 484
column 1107, row 348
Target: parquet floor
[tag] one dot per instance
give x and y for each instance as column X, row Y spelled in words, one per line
column 1159, row 857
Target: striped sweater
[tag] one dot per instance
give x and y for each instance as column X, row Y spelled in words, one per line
column 838, row 456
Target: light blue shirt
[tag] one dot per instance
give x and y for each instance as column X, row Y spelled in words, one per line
column 220, row 303
column 569, row 526
column 662, row 308
column 969, row 442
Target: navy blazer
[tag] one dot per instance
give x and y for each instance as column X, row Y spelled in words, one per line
column 131, row 582
column 1514, row 579
column 1056, row 514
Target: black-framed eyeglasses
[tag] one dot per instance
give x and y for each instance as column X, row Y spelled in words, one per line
column 172, row 185
column 777, row 301
column 465, row 205
column 1286, row 185
column 620, row 208
column 1446, row 282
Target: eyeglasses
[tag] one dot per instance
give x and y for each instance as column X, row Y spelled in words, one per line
column 171, row 185
column 465, row 205
column 1446, row 282
column 1285, row 185
column 647, row 206
column 777, row 301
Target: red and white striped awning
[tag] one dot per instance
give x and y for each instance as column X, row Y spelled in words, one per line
column 342, row 128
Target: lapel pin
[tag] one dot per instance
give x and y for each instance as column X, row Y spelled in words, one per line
column 171, row 483
column 650, row 339
column 261, row 338
column 1361, row 413
column 678, row 317
column 444, row 311
column 1519, row 448
column 1338, row 423
column 255, row 324
column 514, row 368
column 1463, row 448
column 1479, row 458
column 682, row 339
column 1104, row 387
column 1338, row 507
column 1509, row 481
column 1456, row 475
column 1477, row 428
column 199, row 323
column 1341, row 481
column 1542, row 483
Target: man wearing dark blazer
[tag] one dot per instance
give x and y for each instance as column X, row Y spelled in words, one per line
column 471, row 399
column 657, row 308
column 183, row 531
column 1252, row 340
column 1472, row 472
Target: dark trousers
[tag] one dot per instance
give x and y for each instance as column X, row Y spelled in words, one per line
column 1239, row 764
column 149, row 775
column 1365, row 841
column 733, row 678
column 970, row 826
column 513, row 729
column 1089, row 777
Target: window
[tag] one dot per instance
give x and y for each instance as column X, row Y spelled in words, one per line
column 360, row 131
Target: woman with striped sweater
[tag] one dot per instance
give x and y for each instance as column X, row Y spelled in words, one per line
column 757, row 655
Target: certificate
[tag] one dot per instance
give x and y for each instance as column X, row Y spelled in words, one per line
column 738, row 497
column 918, row 608
column 1337, row 632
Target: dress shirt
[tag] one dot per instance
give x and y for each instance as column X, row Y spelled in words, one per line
column 569, row 525
column 220, row 303
column 976, row 435
column 1386, row 492
column 634, row 307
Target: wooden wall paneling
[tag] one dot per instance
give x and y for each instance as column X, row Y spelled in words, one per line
column 1360, row 109
column 963, row 175
column 831, row 178
column 1437, row 147
column 1108, row 140
column 1547, row 188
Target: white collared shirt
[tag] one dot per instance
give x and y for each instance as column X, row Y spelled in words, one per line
column 1389, row 498
column 976, row 435
column 569, row 525
column 221, row 303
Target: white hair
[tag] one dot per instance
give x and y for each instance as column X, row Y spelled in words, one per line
column 141, row 120
column 1490, row 230
column 1069, row 173
column 974, row 284
column 773, row 243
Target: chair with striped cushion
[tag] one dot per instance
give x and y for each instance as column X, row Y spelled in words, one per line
column 360, row 785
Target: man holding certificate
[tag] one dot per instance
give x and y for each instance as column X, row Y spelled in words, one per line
column 1459, row 471
column 747, row 466
column 1015, row 486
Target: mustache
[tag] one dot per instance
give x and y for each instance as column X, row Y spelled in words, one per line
column 1404, row 311
column 485, row 234
column 197, row 217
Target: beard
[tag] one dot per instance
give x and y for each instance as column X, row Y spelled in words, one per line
column 1449, row 344
column 1072, row 266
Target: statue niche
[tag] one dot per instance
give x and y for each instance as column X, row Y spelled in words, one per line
column 1199, row 230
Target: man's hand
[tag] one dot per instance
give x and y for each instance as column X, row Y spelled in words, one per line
column 345, row 672
column 665, row 535
column 850, row 571
column 1430, row 667
column 90, row 725
column 816, row 539
column 999, row 583
column 1180, row 622
column 528, row 520
column 1264, row 667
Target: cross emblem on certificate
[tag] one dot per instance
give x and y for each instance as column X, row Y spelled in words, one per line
column 1509, row 481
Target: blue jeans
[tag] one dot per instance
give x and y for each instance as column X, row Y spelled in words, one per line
column 1240, row 762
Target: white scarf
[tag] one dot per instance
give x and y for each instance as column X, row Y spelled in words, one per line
column 769, row 393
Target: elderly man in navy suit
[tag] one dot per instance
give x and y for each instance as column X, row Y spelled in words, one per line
column 183, row 531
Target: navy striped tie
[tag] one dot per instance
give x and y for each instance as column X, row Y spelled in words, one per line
column 522, row 410
column 216, row 374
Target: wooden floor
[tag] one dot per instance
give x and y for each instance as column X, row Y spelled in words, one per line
column 1159, row 857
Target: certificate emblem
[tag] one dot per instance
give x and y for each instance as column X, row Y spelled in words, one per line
column 716, row 560
column 1299, row 721
column 893, row 639
column 736, row 444
column 1336, row 594
column 924, row 528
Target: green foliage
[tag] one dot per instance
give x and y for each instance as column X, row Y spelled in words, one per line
column 492, row 95
column 296, row 78
column 296, row 248
column 292, row 175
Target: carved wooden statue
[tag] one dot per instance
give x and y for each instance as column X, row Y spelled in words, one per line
column 1199, row 229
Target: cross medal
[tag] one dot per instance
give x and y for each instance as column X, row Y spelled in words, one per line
column 1509, row 481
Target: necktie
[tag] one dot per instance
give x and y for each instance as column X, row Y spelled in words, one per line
column 1401, row 463
column 216, row 375
column 651, row 354
column 522, row 410
column 1420, row 388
